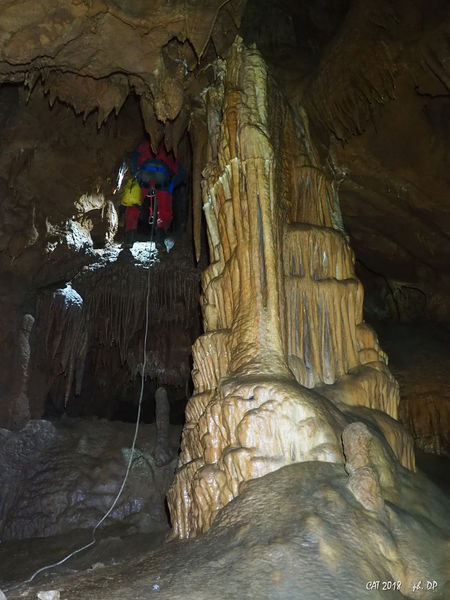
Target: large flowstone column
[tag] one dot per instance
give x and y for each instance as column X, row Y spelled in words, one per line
column 282, row 308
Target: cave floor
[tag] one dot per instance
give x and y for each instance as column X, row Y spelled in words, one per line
column 259, row 549
column 115, row 545
column 296, row 533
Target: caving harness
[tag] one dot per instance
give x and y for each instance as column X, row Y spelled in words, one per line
column 156, row 170
column 152, row 212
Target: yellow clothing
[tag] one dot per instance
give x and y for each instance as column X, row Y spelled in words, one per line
column 131, row 195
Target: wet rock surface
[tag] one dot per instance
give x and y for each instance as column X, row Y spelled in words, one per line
column 282, row 307
column 365, row 112
column 296, row 533
column 61, row 476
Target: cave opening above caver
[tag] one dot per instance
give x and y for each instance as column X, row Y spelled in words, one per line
column 81, row 305
column 86, row 293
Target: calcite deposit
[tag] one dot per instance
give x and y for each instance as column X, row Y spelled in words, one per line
column 282, row 308
column 298, row 532
column 314, row 136
column 56, row 478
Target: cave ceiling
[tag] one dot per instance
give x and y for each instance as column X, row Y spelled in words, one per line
column 92, row 55
column 373, row 77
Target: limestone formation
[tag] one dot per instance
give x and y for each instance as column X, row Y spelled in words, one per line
column 387, row 98
column 61, row 317
column 62, row 477
column 96, row 323
column 325, row 131
column 295, row 533
column 282, row 308
column 162, row 451
column 20, row 406
column 163, row 47
column 363, row 478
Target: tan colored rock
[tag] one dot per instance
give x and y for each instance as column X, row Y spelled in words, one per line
column 96, row 52
column 242, row 435
column 211, row 361
column 363, row 477
column 370, row 385
column 365, row 486
column 282, row 309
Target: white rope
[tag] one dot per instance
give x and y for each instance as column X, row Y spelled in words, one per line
column 119, row 493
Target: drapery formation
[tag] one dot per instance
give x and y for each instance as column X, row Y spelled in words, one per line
column 282, row 307
column 98, row 325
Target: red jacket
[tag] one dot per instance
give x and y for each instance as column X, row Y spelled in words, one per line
column 145, row 153
column 164, row 197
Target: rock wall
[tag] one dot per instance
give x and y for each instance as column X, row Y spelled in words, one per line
column 282, row 306
column 388, row 99
column 80, row 84
column 64, row 476
column 420, row 361
column 49, row 160
column 87, row 343
column 74, row 59
column 57, row 173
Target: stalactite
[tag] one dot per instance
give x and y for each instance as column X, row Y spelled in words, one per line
column 346, row 90
column 107, row 313
column 313, row 205
column 61, row 317
column 323, row 304
column 119, row 309
column 211, row 360
column 153, row 127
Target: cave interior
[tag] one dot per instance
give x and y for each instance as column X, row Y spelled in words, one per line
column 286, row 358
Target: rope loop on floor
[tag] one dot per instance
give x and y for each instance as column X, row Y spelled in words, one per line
column 130, row 460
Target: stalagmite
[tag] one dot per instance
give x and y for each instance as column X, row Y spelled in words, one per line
column 363, row 477
column 282, row 308
column 162, row 452
column 20, row 403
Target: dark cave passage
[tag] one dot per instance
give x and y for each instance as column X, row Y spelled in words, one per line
column 88, row 297
column 87, row 343
column 82, row 322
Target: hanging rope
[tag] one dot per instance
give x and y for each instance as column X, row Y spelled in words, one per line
column 130, row 461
